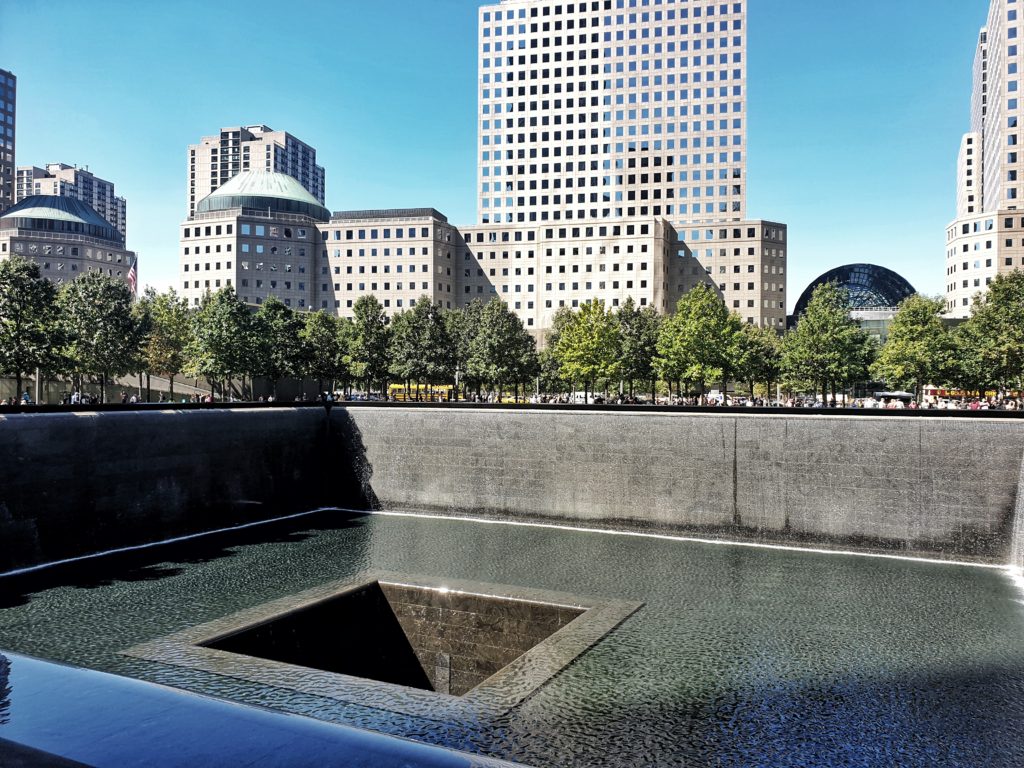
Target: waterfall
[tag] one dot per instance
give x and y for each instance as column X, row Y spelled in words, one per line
column 1017, row 533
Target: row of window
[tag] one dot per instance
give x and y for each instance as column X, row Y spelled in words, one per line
column 618, row 213
column 386, row 269
column 1007, row 262
column 384, row 233
column 595, row 5
column 373, row 252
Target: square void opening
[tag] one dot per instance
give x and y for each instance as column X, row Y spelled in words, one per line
column 420, row 637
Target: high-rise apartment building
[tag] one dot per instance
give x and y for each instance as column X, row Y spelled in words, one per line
column 987, row 237
column 216, row 159
column 71, row 181
column 8, row 102
column 612, row 108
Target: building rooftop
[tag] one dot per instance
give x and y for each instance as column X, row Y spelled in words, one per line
column 263, row 190
column 390, row 213
column 73, row 213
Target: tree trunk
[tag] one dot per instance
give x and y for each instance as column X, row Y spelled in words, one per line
column 17, row 386
column 103, row 388
column 171, row 395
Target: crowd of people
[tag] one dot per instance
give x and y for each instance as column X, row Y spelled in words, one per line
column 712, row 400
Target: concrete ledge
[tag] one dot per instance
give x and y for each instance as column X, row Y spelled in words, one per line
column 83, row 717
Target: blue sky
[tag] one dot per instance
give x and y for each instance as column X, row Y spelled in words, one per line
column 855, row 110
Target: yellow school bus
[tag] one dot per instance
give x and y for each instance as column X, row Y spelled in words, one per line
column 427, row 393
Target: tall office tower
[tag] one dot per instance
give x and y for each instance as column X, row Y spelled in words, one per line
column 71, row 181
column 987, row 237
column 620, row 109
column 215, row 159
column 8, row 101
column 612, row 108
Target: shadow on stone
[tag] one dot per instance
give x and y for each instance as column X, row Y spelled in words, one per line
column 160, row 561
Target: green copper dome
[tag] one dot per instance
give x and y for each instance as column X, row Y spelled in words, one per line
column 54, row 213
column 264, row 190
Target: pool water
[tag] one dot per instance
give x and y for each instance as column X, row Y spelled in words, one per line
column 740, row 656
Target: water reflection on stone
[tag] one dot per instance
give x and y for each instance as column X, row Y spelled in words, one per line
column 5, row 689
column 739, row 657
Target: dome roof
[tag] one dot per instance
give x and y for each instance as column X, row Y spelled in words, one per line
column 68, row 214
column 868, row 286
column 264, row 190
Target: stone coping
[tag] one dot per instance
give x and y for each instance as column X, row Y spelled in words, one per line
column 494, row 696
column 62, row 716
column 933, row 413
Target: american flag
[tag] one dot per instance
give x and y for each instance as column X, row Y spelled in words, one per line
column 133, row 277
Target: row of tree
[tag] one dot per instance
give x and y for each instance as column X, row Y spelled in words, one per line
column 92, row 327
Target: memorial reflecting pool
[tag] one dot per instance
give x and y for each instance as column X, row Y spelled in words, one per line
column 736, row 655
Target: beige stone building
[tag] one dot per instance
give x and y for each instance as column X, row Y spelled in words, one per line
column 987, row 237
column 257, row 233
column 79, row 183
column 8, row 134
column 611, row 165
column 65, row 237
column 537, row 270
column 398, row 255
column 217, row 159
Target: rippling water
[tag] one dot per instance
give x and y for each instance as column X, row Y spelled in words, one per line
column 740, row 656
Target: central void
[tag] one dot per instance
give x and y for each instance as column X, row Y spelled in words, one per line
column 433, row 639
column 739, row 656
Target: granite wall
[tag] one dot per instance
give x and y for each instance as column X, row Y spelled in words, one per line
column 462, row 639
column 929, row 486
column 75, row 483
column 1017, row 537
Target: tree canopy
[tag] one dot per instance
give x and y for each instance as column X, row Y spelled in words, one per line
column 29, row 336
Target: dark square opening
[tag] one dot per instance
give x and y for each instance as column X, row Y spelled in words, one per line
column 421, row 637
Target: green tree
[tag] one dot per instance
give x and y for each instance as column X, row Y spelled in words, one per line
column 28, row 328
column 638, row 343
column 346, row 343
column 827, row 348
column 700, row 341
column 587, row 348
column 284, row 354
column 101, row 335
column 502, row 352
column 169, row 334
column 325, row 354
column 996, row 330
column 759, row 357
column 223, row 339
column 421, row 348
column 963, row 367
column 549, row 367
column 917, row 349
column 370, row 342
column 463, row 324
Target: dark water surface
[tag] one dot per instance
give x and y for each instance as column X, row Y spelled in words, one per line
column 740, row 656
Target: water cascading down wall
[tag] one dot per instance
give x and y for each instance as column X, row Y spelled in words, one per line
column 71, row 484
